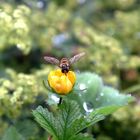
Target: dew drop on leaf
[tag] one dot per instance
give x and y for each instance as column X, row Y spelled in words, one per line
column 129, row 95
column 88, row 107
column 82, row 86
column 89, row 81
column 102, row 94
column 84, row 90
column 97, row 99
column 55, row 98
column 77, row 71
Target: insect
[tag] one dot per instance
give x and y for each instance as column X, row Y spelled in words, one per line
column 64, row 63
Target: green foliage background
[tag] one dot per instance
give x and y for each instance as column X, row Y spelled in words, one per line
column 108, row 31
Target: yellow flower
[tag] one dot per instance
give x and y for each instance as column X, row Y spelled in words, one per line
column 61, row 83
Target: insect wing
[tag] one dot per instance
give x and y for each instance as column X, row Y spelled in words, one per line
column 76, row 58
column 51, row 60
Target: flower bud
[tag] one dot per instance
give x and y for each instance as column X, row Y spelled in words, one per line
column 60, row 82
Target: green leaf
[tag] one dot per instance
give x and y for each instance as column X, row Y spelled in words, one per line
column 12, row 134
column 110, row 96
column 85, row 121
column 68, row 114
column 91, row 81
column 96, row 95
column 66, row 122
column 46, row 120
column 81, row 137
column 104, row 111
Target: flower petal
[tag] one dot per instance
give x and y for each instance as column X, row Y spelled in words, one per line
column 60, row 82
column 71, row 76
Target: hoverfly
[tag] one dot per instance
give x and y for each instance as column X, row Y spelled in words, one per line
column 64, row 63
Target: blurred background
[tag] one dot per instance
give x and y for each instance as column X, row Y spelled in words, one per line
column 108, row 31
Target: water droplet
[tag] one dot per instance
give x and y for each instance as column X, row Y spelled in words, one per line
column 89, row 81
column 102, row 94
column 77, row 71
column 117, row 94
column 129, row 95
column 85, row 90
column 88, row 107
column 82, row 86
column 97, row 99
column 55, row 98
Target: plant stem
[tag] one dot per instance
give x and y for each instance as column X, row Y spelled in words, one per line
column 50, row 138
column 60, row 101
